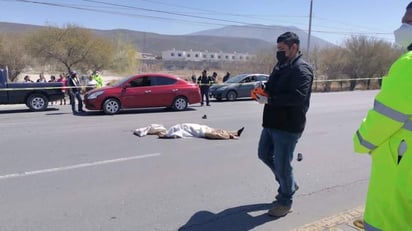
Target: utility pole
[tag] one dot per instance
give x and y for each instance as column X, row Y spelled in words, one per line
column 310, row 27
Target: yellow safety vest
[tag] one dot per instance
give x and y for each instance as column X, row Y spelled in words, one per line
column 386, row 133
column 98, row 79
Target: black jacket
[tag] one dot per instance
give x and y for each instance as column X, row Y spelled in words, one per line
column 289, row 88
column 74, row 83
column 205, row 81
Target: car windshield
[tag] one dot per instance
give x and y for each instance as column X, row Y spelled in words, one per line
column 236, row 79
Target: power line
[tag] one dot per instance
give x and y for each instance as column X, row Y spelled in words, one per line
column 167, row 12
column 105, row 5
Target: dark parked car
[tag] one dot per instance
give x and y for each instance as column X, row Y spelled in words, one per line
column 143, row 91
column 237, row 87
column 36, row 96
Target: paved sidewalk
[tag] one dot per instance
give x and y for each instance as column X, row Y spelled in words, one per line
column 340, row 222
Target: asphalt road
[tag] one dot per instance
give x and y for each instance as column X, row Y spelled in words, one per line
column 65, row 172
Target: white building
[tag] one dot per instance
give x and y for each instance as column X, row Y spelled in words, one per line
column 182, row 55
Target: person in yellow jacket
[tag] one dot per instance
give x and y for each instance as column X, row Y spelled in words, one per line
column 386, row 134
column 98, row 78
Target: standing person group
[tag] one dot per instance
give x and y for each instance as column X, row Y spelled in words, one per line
column 286, row 101
column 205, row 82
column 386, row 134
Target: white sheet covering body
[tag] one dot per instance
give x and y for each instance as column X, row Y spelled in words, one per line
column 183, row 130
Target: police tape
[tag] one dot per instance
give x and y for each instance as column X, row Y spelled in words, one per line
column 345, row 80
column 44, row 88
column 315, row 80
column 87, row 86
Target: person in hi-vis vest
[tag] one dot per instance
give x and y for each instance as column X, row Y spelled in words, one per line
column 386, row 134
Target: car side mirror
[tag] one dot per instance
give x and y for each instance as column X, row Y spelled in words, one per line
column 127, row 86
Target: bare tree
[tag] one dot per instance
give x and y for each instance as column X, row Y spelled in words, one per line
column 13, row 55
column 71, row 46
column 368, row 57
column 265, row 60
column 360, row 57
column 332, row 63
column 124, row 60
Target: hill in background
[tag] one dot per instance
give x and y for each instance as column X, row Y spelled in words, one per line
column 265, row 33
column 156, row 43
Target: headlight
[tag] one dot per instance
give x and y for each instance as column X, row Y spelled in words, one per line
column 95, row 94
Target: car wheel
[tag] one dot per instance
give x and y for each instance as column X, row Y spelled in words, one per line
column 37, row 102
column 180, row 103
column 111, row 106
column 231, row 95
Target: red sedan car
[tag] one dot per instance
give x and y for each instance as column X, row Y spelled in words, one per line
column 143, row 91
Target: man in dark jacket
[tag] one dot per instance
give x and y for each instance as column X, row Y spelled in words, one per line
column 204, row 82
column 74, row 92
column 284, row 116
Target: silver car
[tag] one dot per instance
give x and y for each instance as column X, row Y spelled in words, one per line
column 236, row 87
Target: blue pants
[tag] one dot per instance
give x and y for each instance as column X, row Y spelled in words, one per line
column 204, row 91
column 76, row 95
column 276, row 151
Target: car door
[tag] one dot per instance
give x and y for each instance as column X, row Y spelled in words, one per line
column 136, row 92
column 247, row 84
column 164, row 90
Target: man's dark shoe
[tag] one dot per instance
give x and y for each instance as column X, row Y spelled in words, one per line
column 279, row 210
column 239, row 132
column 296, row 189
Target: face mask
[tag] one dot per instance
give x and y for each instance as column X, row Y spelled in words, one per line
column 403, row 35
column 281, row 56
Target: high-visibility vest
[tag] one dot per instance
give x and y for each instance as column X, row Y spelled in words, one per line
column 386, row 133
column 98, row 79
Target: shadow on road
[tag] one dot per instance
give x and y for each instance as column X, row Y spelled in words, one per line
column 237, row 218
column 8, row 111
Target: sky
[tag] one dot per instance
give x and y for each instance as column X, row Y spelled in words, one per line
column 334, row 21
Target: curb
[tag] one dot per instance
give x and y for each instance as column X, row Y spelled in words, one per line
column 343, row 221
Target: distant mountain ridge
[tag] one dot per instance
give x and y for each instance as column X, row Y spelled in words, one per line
column 156, row 43
column 242, row 39
column 265, row 33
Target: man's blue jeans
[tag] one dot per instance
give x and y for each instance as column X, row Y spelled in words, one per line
column 73, row 101
column 276, row 151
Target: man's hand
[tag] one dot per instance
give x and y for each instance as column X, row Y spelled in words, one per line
column 261, row 99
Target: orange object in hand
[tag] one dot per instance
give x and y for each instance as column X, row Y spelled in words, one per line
column 257, row 91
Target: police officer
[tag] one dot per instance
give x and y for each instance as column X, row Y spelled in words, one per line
column 74, row 92
column 386, row 134
column 204, row 82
